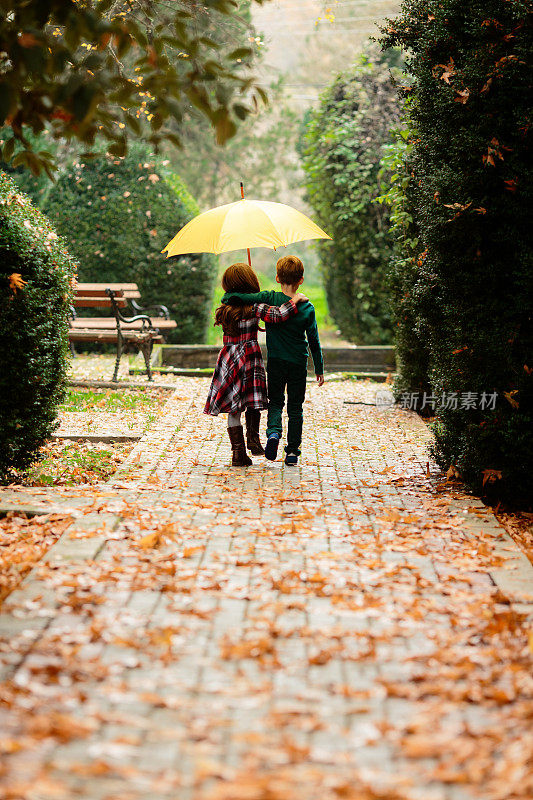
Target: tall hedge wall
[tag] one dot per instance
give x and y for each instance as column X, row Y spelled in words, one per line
column 35, row 289
column 472, row 167
column 409, row 326
column 118, row 214
column 341, row 153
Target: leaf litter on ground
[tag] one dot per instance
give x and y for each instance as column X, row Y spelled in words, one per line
column 328, row 615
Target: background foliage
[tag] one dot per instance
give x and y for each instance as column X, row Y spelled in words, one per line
column 471, row 195
column 410, row 331
column 341, row 149
column 118, row 214
column 261, row 154
column 118, row 68
column 35, row 285
column 34, row 186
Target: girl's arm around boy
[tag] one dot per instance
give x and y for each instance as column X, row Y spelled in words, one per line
column 274, row 314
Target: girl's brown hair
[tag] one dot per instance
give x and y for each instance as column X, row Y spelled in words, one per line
column 237, row 278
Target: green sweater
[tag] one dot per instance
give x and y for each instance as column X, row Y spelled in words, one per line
column 288, row 339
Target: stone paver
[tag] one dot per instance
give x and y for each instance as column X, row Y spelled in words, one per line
column 349, row 629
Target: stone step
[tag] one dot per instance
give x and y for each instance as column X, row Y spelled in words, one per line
column 364, row 359
column 378, row 376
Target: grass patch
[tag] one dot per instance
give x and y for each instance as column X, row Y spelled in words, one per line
column 317, row 296
column 71, row 463
column 95, row 400
column 74, row 463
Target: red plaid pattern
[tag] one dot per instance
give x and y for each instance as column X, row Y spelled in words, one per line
column 239, row 380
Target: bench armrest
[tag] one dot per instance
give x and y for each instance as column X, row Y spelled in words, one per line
column 147, row 322
column 161, row 310
column 119, row 316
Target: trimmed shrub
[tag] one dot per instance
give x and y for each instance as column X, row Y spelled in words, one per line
column 472, row 166
column 118, row 214
column 35, row 290
column 341, row 152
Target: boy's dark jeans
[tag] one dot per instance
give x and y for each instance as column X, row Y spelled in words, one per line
column 286, row 375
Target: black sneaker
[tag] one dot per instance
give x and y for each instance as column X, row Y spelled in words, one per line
column 271, row 447
column 291, row 460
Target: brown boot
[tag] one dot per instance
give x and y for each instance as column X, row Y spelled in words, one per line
column 253, row 418
column 239, row 457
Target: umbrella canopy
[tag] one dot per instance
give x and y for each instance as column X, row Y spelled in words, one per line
column 242, row 225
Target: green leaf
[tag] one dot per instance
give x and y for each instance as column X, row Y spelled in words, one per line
column 240, row 52
column 133, row 123
column 117, row 148
column 8, row 149
column 241, row 111
column 7, row 101
column 225, row 129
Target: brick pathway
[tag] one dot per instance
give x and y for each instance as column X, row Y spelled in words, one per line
column 349, row 629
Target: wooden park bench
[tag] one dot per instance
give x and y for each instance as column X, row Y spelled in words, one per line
column 137, row 330
column 160, row 313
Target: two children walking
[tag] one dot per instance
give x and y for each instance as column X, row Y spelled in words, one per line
column 239, row 381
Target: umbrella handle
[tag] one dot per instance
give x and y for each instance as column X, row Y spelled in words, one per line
column 247, row 249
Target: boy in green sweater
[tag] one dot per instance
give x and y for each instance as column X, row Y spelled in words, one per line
column 287, row 357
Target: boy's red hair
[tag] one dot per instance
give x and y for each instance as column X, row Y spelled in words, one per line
column 290, row 270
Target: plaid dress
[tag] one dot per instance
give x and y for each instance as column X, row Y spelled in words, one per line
column 239, row 380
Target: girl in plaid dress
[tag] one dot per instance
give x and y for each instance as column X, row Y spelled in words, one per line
column 239, row 380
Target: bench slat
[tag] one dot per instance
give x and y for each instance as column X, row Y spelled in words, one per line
column 128, row 290
column 97, row 302
column 105, row 322
column 95, row 293
column 114, row 286
column 98, row 293
column 79, row 335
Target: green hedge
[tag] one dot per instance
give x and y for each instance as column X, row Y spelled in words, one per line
column 341, row 152
column 118, row 214
column 471, row 194
column 411, row 335
column 33, row 329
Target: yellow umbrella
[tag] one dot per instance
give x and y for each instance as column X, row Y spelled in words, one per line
column 242, row 225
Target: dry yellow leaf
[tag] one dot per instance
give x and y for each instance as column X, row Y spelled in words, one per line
column 16, row 281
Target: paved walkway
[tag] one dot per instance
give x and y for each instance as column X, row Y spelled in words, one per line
column 349, row 630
